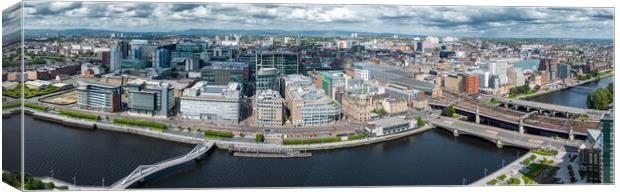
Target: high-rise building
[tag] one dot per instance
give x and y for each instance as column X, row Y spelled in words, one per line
column 98, row 96
column 285, row 61
column 211, row 102
column 115, row 58
column 269, row 108
column 563, row 71
column 268, row 78
column 161, row 58
column 150, row 98
column 607, row 158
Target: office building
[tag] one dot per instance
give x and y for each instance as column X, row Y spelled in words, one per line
column 307, row 104
column 563, row 71
column 268, row 78
column 161, row 58
column 211, row 102
column 99, row 96
column 221, row 73
column 471, row 84
column 269, row 108
column 285, row 61
column 150, row 98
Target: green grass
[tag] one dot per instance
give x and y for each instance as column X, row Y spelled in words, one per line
column 535, row 169
column 502, row 177
column 526, row 162
column 492, row 182
column 358, row 136
column 28, row 93
column 79, row 115
column 153, row 125
column 310, row 141
column 217, row 134
column 545, row 152
column 527, row 180
column 514, row 181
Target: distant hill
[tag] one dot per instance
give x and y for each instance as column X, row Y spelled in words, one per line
column 195, row 32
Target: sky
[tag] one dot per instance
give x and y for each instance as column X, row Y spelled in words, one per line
column 466, row 21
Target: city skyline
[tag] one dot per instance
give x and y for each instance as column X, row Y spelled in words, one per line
column 496, row 22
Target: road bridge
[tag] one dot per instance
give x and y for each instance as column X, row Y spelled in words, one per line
column 561, row 126
column 546, row 108
column 502, row 137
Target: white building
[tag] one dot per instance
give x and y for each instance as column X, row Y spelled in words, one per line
column 211, row 102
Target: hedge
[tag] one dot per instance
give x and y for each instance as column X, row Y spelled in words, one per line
column 78, row 115
column 9, row 105
column 36, row 107
column 154, row 125
column 213, row 133
column 492, row 182
column 311, row 141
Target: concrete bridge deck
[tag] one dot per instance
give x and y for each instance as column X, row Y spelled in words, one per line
column 593, row 114
column 502, row 137
column 144, row 171
column 540, row 122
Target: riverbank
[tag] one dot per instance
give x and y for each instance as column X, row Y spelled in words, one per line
column 563, row 88
column 221, row 144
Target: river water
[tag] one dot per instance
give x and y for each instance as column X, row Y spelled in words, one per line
column 431, row 158
column 575, row 96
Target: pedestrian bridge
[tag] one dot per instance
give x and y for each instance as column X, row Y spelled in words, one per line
column 143, row 171
column 502, row 137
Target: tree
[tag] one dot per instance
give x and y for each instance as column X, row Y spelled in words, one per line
column 420, row 122
column 260, row 138
column 610, row 88
column 600, row 99
column 448, row 111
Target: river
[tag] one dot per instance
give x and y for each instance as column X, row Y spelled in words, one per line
column 575, row 96
column 431, row 158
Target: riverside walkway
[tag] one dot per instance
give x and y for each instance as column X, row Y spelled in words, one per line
column 502, row 137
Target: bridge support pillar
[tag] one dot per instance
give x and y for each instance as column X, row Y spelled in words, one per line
column 455, row 132
column 499, row 144
column 521, row 128
column 477, row 115
column 571, row 136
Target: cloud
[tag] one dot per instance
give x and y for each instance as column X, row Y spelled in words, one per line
column 431, row 20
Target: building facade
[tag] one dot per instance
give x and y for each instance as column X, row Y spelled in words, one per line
column 150, row 98
column 211, row 102
column 98, row 96
column 269, row 108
